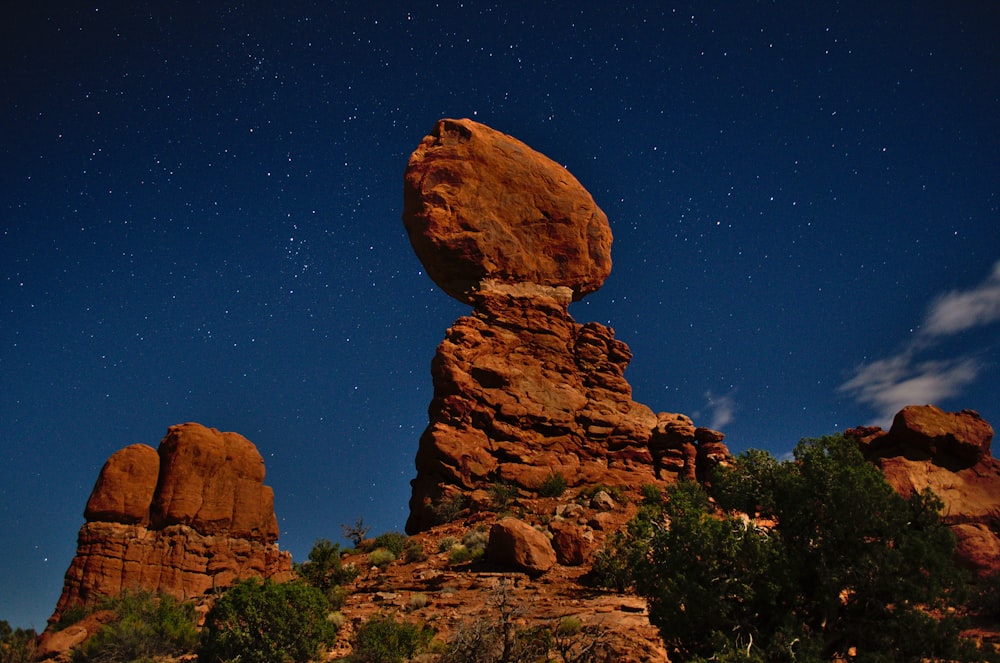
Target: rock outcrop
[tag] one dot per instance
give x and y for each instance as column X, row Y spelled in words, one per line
column 949, row 453
column 522, row 392
column 190, row 517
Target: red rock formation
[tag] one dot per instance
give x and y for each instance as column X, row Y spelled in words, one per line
column 479, row 204
column 192, row 517
column 521, row 390
column 948, row 452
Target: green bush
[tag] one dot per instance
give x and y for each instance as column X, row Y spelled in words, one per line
column 71, row 616
column 145, row 626
column 414, row 552
column 554, row 485
column 255, row 622
column 325, row 571
column 459, row 554
column 850, row 565
column 476, row 541
column 447, row 543
column 502, row 494
column 16, row 645
column 382, row 639
column 394, row 542
column 449, row 508
column 381, row 557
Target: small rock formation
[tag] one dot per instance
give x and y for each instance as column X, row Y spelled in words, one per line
column 948, row 452
column 521, row 390
column 515, row 544
column 190, row 517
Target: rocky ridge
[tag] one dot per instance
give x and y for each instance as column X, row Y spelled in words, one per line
column 189, row 517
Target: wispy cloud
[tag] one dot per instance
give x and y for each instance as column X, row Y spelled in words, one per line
column 958, row 310
column 905, row 378
column 720, row 409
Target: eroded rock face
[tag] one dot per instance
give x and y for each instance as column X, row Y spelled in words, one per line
column 522, row 391
column 479, row 204
column 949, row 453
column 191, row 517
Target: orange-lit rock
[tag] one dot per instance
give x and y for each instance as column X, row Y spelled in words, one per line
column 949, row 453
column 479, row 204
column 189, row 518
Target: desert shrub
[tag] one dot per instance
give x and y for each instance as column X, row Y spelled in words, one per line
column 325, row 571
column 850, row 565
column 449, row 507
column 418, row 600
column 394, row 542
column 145, row 626
column 985, row 600
column 554, row 485
column 459, row 554
column 499, row 638
column 71, row 616
column 265, row 622
column 502, row 494
column 447, row 543
column 17, row 645
column 476, row 541
column 413, row 551
column 382, row 639
column 651, row 494
column 381, row 557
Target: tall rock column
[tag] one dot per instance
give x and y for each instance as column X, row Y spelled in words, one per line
column 521, row 391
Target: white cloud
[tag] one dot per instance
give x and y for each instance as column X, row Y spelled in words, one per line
column 722, row 409
column 961, row 310
column 887, row 385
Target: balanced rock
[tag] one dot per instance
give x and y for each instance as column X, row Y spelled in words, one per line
column 479, row 204
column 522, row 392
column 949, row 453
column 191, row 517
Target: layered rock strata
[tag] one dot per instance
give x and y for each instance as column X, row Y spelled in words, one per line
column 187, row 518
column 523, row 394
column 948, row 453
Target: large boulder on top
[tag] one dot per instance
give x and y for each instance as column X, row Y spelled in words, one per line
column 481, row 205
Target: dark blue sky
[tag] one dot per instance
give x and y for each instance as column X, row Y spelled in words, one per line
column 200, row 222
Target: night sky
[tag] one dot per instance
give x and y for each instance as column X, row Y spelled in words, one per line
column 200, row 221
